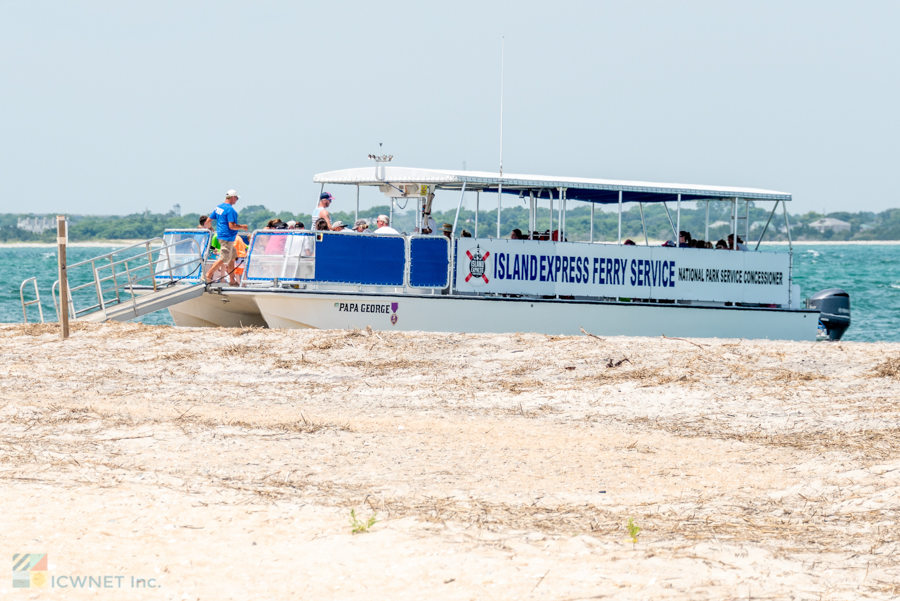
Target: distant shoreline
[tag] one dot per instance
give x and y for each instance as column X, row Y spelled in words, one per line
column 91, row 244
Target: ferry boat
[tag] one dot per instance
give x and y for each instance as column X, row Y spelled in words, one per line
column 334, row 280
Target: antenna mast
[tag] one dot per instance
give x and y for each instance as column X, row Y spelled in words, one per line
column 502, row 44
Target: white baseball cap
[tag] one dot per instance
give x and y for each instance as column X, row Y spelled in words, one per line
column 231, row 193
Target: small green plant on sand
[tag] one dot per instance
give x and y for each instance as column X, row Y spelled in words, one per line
column 633, row 530
column 361, row 526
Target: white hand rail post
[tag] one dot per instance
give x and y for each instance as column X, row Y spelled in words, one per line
column 61, row 240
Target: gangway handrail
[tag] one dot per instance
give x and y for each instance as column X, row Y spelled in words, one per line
column 36, row 301
column 131, row 279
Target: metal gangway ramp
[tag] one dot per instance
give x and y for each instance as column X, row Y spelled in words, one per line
column 139, row 279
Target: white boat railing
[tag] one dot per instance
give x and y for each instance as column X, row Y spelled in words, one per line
column 126, row 273
column 36, row 301
column 329, row 260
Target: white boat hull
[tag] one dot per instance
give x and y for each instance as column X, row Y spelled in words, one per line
column 296, row 309
column 218, row 311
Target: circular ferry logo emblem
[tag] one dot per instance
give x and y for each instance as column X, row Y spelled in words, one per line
column 477, row 264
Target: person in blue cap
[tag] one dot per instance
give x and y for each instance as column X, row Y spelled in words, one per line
column 225, row 218
column 321, row 212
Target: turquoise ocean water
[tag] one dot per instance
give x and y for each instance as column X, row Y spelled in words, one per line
column 870, row 273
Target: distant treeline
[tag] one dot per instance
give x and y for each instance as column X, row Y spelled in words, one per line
column 863, row 225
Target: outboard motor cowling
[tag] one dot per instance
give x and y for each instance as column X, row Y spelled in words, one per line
column 834, row 311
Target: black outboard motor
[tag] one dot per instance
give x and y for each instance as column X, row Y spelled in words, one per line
column 834, row 311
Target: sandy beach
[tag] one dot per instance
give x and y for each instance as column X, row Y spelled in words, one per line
column 224, row 464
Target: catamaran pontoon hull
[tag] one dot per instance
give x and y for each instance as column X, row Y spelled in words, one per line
column 293, row 309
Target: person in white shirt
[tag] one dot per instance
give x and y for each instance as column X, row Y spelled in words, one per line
column 384, row 226
column 321, row 211
column 429, row 225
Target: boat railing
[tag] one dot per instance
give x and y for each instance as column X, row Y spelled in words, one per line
column 336, row 259
column 114, row 276
column 181, row 256
column 341, row 262
column 570, row 270
column 35, row 301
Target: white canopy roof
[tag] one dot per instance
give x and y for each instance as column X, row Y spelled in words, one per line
column 577, row 188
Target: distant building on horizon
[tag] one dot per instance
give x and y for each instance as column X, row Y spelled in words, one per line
column 36, row 225
column 829, row 223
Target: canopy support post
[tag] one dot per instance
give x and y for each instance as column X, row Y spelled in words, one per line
column 458, row 207
column 734, row 224
column 562, row 222
column 620, row 218
column 499, row 196
column 747, row 218
column 775, row 208
column 666, row 207
column 477, row 202
column 419, row 207
column 706, row 234
column 678, row 220
column 530, row 214
column 559, row 220
column 644, row 225
column 393, row 200
column 592, row 222
column 787, row 226
column 357, row 205
column 550, row 191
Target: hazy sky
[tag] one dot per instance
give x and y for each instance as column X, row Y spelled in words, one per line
column 114, row 107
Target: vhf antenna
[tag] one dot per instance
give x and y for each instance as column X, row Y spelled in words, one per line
column 502, row 44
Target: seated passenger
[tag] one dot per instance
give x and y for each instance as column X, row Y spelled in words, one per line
column 684, row 239
column 295, row 225
column 384, row 226
column 447, row 230
column 629, row 242
column 465, row 234
column 321, row 225
column 361, row 227
column 516, row 234
column 669, row 244
column 275, row 244
column 338, row 226
column 429, row 226
column 721, row 245
column 740, row 243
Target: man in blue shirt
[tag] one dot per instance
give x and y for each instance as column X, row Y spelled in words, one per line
column 226, row 231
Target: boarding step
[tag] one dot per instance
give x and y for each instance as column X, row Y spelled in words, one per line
column 147, row 303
